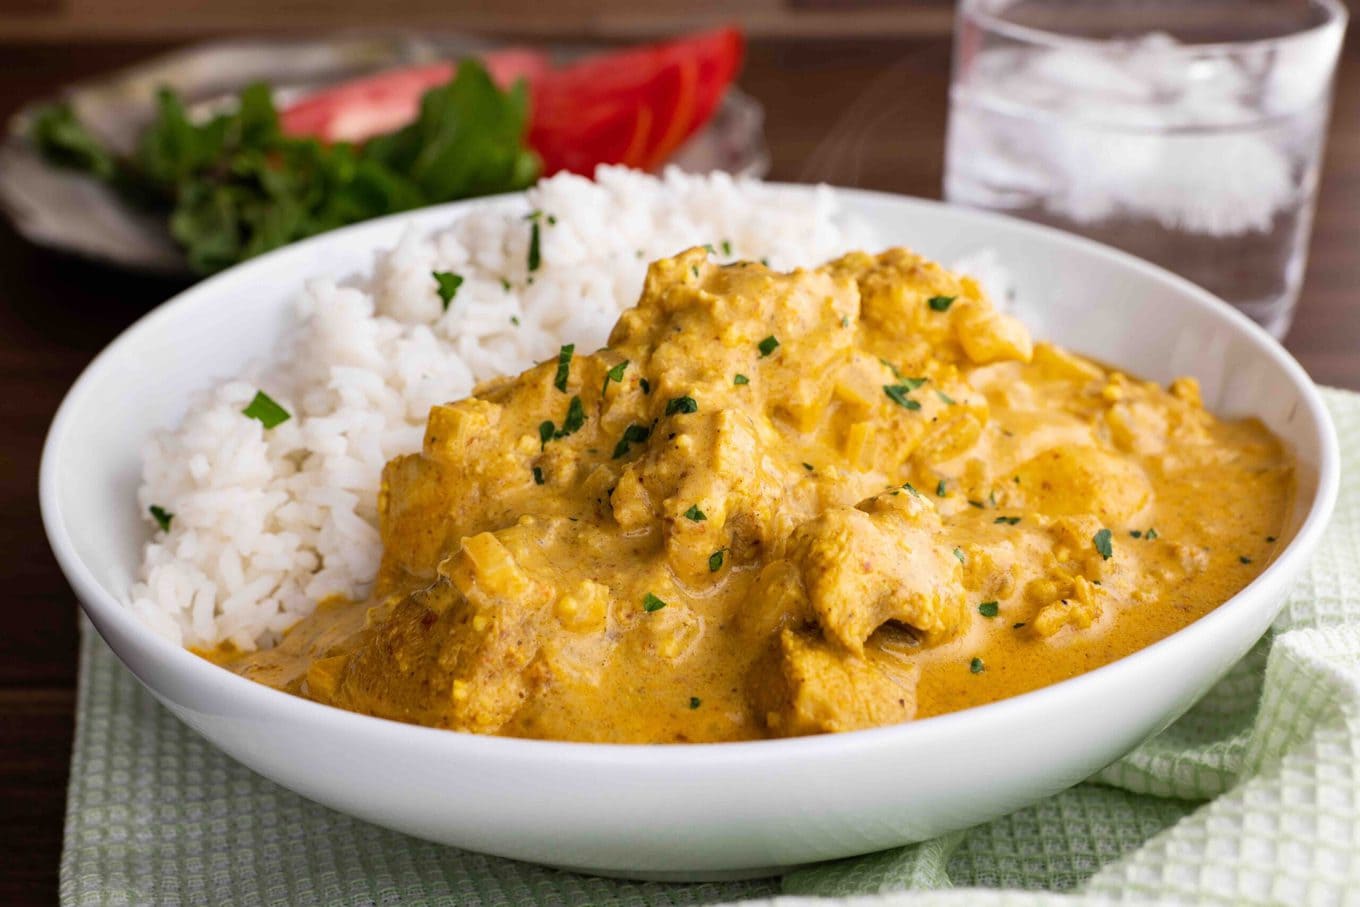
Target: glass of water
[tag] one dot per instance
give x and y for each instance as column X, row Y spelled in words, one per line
column 1188, row 132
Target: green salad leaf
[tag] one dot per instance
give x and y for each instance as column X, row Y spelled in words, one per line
column 234, row 186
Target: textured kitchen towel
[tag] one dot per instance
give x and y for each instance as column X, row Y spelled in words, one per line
column 1252, row 798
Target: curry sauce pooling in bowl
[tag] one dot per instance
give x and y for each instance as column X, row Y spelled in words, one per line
column 782, row 504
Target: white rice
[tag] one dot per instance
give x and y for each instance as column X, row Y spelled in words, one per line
column 268, row 522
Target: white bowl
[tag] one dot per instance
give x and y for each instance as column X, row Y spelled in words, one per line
column 690, row 811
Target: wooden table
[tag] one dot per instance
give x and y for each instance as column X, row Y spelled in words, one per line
column 57, row 313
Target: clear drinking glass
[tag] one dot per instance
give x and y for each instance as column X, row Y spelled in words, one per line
column 1188, row 132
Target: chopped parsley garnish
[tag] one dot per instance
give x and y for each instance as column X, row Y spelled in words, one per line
column 892, row 368
column 945, row 398
column 615, row 374
column 715, row 560
column 958, row 553
column 651, row 603
column 912, row 488
column 645, row 385
column 1008, row 520
column 941, row 303
column 514, row 319
column 633, row 434
column 1018, row 625
column 1134, row 533
column 740, row 379
column 991, row 496
column 1244, row 559
column 939, row 489
column 535, row 255
column 989, row 609
column 727, row 247
column 161, row 516
column 695, row 514
column 576, row 417
column 1150, row 534
column 708, row 247
column 449, row 283
column 564, row 366
column 897, row 393
column 765, row 262
column 1103, row 543
column 1270, row 538
column 538, row 476
column 695, row 702
column 694, row 269
column 266, row 411
column 546, row 429
column 768, row 345
column 978, row 504
column 505, row 285
column 684, row 404
column 808, row 467
column 845, row 321
column 976, row 666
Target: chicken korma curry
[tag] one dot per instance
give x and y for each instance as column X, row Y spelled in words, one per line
column 782, row 504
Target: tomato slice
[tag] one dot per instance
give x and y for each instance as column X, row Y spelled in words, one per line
column 635, row 106
column 680, row 82
column 358, row 110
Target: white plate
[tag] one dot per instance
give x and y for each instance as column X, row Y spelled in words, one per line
column 696, row 811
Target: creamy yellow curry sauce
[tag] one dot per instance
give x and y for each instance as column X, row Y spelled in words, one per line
column 782, row 504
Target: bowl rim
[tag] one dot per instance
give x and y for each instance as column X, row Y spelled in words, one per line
column 259, row 699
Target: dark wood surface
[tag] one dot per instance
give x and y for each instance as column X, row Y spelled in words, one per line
column 853, row 113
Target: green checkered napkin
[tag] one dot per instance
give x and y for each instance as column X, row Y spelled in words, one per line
column 1251, row 798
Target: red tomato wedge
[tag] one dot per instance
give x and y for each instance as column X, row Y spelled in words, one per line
column 358, row 110
column 674, row 86
column 635, row 106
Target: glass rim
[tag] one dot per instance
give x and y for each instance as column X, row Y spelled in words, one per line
column 1337, row 16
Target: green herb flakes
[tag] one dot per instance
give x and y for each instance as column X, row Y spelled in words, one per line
column 715, row 560
column 1136, row 534
column 161, row 516
column 1242, row 558
column 1008, row 520
column 976, row 666
column 940, row 489
column 768, row 346
column 684, row 404
column 941, row 303
column 538, row 475
column 945, row 398
column 633, row 434
column 651, row 603
column 989, row 609
column 1150, row 534
column 1104, row 544
column 808, row 467
column 615, row 374
column 448, row 284
column 564, row 366
column 978, row 504
column 576, row 417
column 695, row 702
column 546, row 430
column 645, row 385
column 958, row 553
column 694, row 514
column 897, row 393
column 727, row 248
column 740, row 379
column 912, row 488
column 265, row 411
column 535, row 254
